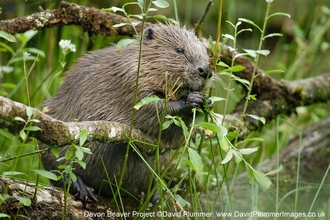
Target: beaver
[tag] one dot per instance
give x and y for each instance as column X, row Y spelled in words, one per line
column 101, row 86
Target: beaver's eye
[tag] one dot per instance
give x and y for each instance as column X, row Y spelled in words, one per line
column 179, row 50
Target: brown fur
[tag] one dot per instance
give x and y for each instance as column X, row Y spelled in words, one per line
column 101, row 86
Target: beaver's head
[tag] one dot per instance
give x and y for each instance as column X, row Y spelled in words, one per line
column 177, row 52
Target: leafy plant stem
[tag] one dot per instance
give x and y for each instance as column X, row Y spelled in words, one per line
column 230, row 79
column 140, row 38
column 254, row 75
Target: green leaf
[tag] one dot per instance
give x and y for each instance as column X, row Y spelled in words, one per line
column 252, row 97
column 33, row 128
column 152, row 9
column 136, row 23
column 233, row 24
column 69, row 153
column 240, row 54
column 244, row 30
column 161, row 3
column 36, row 51
column 55, row 151
column 167, row 124
column 140, row 4
column 277, row 170
column 124, row 43
column 8, row 85
column 47, row 174
column 196, row 160
column 3, row 215
column 115, row 9
column 250, row 172
column 242, row 81
column 7, row 36
column 216, row 99
column 81, row 163
column 79, row 154
column 228, row 157
column 6, row 69
column 229, row 36
column 273, row 35
column 72, row 175
column 7, row 134
column 183, row 126
column 19, row 119
column 225, row 144
column 86, row 150
column 232, row 135
column 262, row 119
column 251, row 53
column 325, row 9
column 34, row 120
column 250, row 22
column 237, row 68
column 263, row 52
column 279, row 14
column 238, row 156
column 210, row 126
column 12, row 173
column 82, row 137
column 119, row 25
column 23, row 135
column 231, row 49
column 24, row 201
column 26, row 36
column 162, row 17
column 262, row 179
column 183, row 202
column 247, row 151
column 7, row 47
column 222, row 64
column 146, row 101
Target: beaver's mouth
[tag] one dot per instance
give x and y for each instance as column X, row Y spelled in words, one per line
column 180, row 93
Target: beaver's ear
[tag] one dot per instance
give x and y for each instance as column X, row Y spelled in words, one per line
column 149, row 34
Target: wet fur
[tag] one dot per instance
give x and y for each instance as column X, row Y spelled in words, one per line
column 101, row 86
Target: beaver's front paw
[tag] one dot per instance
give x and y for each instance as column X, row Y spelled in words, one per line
column 196, row 99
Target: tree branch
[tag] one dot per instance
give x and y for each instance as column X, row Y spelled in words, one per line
column 274, row 97
column 90, row 19
column 59, row 133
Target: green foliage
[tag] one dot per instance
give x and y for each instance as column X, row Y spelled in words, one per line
column 209, row 158
column 27, row 127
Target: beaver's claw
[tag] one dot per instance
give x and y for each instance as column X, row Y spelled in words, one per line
column 196, row 99
column 82, row 192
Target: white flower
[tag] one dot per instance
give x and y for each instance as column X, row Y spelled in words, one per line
column 67, row 46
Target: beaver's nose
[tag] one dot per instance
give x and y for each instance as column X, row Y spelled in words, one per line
column 206, row 73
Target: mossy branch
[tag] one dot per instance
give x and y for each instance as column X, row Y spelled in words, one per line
column 90, row 19
column 59, row 133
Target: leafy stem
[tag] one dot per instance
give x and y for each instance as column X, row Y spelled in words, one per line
column 256, row 60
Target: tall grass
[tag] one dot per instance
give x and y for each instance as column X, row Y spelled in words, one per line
column 305, row 53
